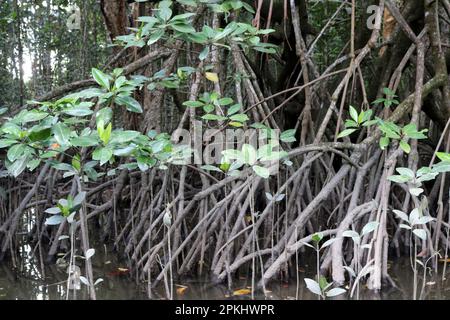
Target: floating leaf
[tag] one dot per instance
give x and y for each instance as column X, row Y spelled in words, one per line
column 242, row 292
column 181, row 290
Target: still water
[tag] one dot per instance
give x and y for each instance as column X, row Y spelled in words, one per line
column 28, row 281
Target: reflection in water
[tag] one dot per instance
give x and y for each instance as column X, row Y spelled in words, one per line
column 26, row 278
column 27, row 282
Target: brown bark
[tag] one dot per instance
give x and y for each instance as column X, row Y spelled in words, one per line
column 116, row 18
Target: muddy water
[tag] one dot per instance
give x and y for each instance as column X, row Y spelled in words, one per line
column 27, row 280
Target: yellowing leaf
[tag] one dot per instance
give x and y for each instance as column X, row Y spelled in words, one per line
column 181, row 291
column 241, row 292
column 211, row 76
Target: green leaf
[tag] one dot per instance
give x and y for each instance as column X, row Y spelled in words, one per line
column 16, row 151
column 249, row 154
column 55, row 220
column 236, row 124
column 225, row 101
column 86, row 141
column 17, row 167
column 61, row 133
column 193, row 104
column 313, row 286
column 241, row 117
column 354, row 114
column 232, row 154
column 388, row 92
column 40, row 135
column 416, row 191
column 106, row 134
column 288, row 136
column 405, row 146
column 404, row 226
column 213, row 117
column 4, row 143
column 124, row 151
column 335, row 292
column 399, row 179
column 406, row 172
column 130, row 103
column 317, row 237
column 155, row 36
column 103, row 155
column 400, row 214
column 261, row 171
column 54, row 210
column 443, row 156
column 182, row 27
column 211, row 168
column 384, row 142
column 410, row 130
column 63, row 167
column 101, row 78
column 78, row 111
column 346, row 133
column 421, row 233
column 33, row 115
column 369, row 227
column 208, row 108
column 76, row 163
column 441, row 167
column 350, row 124
column 164, row 11
column 89, row 93
column 183, row 16
column 122, row 136
column 204, row 54
column 233, row 109
column 104, row 115
column 12, row 128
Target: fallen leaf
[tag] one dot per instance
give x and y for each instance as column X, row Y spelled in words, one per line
column 211, row 76
column 122, row 269
column 181, row 291
column 241, row 292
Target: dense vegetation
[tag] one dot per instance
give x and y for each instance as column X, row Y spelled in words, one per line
column 227, row 137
